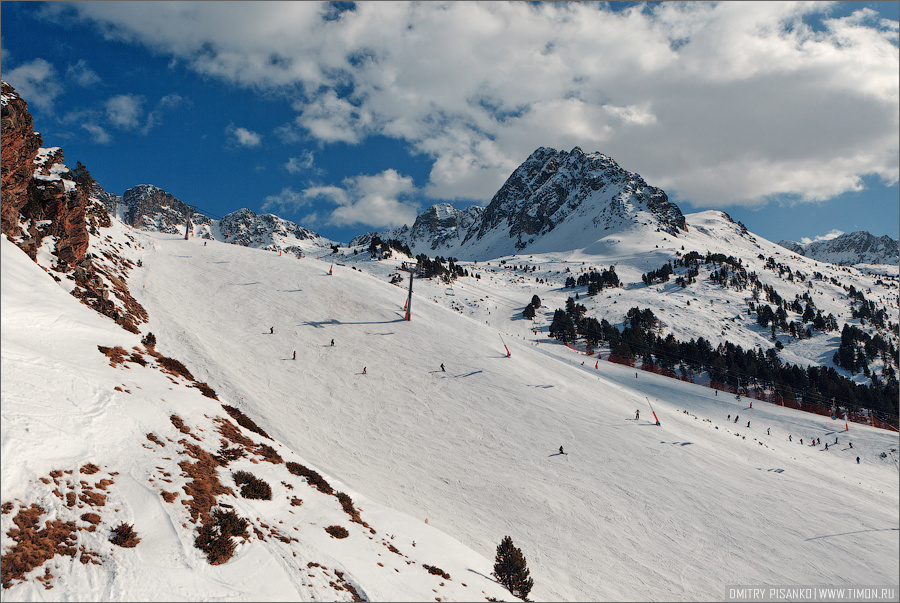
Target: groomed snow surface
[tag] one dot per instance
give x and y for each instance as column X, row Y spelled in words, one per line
column 633, row 511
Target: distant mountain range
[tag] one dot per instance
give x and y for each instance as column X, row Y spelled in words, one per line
column 150, row 208
column 858, row 247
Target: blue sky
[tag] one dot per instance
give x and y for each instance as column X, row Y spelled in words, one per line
column 348, row 118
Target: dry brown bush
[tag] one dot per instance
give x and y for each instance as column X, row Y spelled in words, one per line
column 124, row 536
column 251, row 486
column 337, row 531
column 311, row 476
column 244, row 421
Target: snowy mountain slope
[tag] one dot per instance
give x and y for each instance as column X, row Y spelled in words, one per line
column 848, row 249
column 634, row 510
column 555, row 201
column 704, row 308
column 93, row 445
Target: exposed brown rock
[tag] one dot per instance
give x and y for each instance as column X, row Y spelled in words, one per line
column 20, row 145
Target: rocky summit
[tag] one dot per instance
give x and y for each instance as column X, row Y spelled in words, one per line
column 554, row 201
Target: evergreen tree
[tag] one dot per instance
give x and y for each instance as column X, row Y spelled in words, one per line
column 528, row 312
column 511, row 570
column 535, row 301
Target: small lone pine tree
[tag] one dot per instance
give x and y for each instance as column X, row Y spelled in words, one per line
column 510, row 569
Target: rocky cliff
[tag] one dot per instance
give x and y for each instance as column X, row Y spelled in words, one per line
column 51, row 212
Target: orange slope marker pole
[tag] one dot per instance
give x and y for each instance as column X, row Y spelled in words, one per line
column 654, row 413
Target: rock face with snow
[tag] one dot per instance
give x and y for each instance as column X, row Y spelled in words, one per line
column 266, row 231
column 20, row 144
column 858, row 247
column 441, row 226
column 554, row 201
column 150, row 208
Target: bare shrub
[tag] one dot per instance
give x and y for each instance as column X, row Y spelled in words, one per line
column 175, row 366
column 311, row 476
column 206, row 390
column 149, row 340
column 436, row 571
column 251, row 486
column 244, row 421
column 124, row 536
column 337, row 531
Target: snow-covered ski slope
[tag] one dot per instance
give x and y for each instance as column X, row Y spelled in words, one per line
column 634, row 512
column 81, row 438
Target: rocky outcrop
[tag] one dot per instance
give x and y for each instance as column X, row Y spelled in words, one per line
column 41, row 196
column 20, row 145
column 149, row 207
column 266, row 231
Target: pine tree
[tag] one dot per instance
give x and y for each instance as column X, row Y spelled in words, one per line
column 511, row 570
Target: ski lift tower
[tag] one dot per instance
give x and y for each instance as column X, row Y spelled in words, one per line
column 412, row 270
column 188, row 225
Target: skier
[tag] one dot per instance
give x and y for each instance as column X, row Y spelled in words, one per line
column 851, row 444
column 271, row 330
column 768, row 431
column 801, row 440
column 857, row 460
column 835, row 440
column 826, row 445
column 364, row 370
column 637, row 414
column 729, row 417
column 442, row 368
column 790, row 439
column 295, row 354
column 561, row 450
column 748, row 423
column 751, row 403
column 735, row 418
column 332, row 343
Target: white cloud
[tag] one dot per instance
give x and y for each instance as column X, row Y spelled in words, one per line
column 826, row 237
column 380, row 201
column 288, row 200
column 101, row 136
column 304, row 163
column 719, row 103
column 243, row 137
column 125, row 111
column 82, row 74
column 37, row 82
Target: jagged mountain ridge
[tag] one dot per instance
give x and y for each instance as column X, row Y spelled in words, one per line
column 554, row 201
column 148, row 207
column 848, row 249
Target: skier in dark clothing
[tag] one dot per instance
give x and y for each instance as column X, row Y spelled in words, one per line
column 768, row 431
column 851, row 444
column 789, row 438
column 857, row 460
column 826, row 445
column 748, row 423
column 637, row 415
column 332, row 343
column 295, row 354
column 561, row 450
column 442, row 368
column 271, row 330
column 364, row 370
